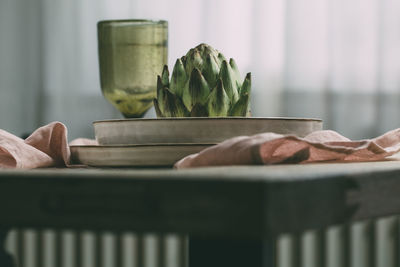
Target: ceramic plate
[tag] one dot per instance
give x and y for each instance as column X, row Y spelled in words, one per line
column 196, row 130
column 133, row 155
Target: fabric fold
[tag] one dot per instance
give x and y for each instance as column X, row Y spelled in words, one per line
column 45, row 147
column 270, row 148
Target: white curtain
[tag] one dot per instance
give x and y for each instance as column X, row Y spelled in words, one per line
column 337, row 60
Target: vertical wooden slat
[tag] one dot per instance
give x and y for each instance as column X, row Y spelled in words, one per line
column 183, row 251
column 10, row 243
column 282, row 254
column 393, row 239
column 39, row 249
column 5, row 258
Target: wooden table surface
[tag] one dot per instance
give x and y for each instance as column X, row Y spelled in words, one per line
column 231, row 214
column 242, row 201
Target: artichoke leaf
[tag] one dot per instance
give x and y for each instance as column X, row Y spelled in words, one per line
column 196, row 91
column 173, row 106
column 157, row 108
column 218, row 101
column 210, row 71
column 241, row 108
column 199, row 110
column 236, row 72
column 193, row 61
column 208, row 50
column 183, row 59
column 221, row 57
column 165, row 76
column 178, row 78
column 246, row 87
column 227, row 76
column 160, row 93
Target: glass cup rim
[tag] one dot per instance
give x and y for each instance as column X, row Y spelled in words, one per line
column 132, row 22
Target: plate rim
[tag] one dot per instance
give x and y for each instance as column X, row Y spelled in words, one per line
column 143, row 145
column 207, row 118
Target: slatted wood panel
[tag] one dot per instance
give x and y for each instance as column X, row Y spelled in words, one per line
column 48, row 248
column 373, row 243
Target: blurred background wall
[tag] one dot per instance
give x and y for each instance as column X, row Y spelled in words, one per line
column 337, row 60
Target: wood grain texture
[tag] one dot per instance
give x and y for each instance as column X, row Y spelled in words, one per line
column 247, row 202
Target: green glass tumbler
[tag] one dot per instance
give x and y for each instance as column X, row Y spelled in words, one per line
column 131, row 55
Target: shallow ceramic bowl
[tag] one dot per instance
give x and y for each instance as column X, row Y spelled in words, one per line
column 133, row 155
column 196, row 130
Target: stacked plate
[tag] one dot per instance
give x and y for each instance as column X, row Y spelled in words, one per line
column 162, row 142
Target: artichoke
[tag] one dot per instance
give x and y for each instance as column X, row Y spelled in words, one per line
column 202, row 84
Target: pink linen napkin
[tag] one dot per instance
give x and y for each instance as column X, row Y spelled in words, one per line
column 46, row 147
column 271, row 148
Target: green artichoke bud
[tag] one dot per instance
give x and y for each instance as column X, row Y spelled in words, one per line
column 203, row 84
